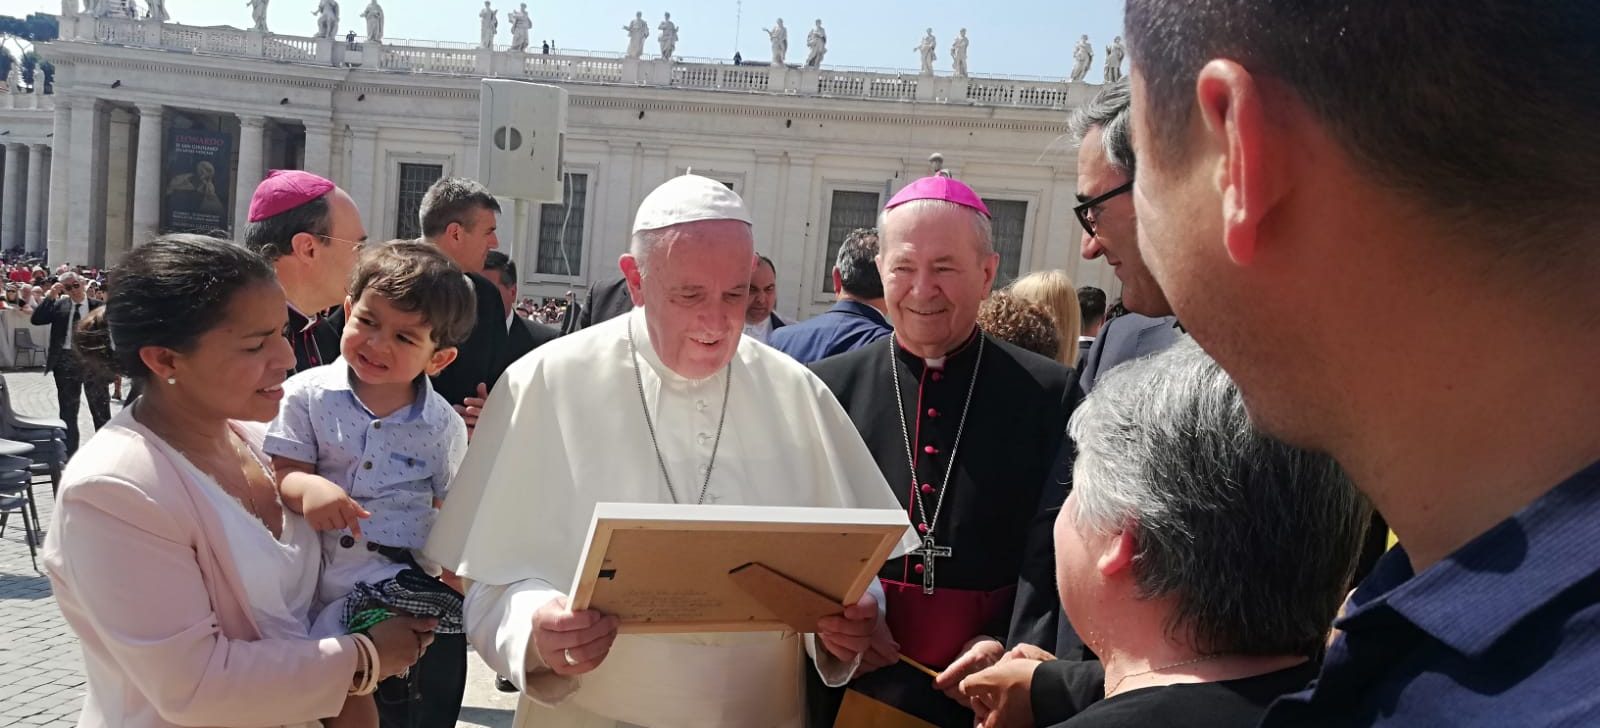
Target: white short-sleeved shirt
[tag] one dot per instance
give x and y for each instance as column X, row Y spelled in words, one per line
column 393, row 466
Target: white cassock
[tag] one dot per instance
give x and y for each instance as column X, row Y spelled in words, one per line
column 564, row 430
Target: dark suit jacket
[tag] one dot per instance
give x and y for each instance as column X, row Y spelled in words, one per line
column 58, row 314
column 525, row 336
column 607, row 300
column 848, row 326
column 1125, row 338
column 482, row 357
column 1083, row 352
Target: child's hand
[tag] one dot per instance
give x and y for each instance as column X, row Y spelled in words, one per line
column 329, row 508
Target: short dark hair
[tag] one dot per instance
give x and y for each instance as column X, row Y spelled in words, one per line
column 172, row 280
column 1091, row 304
column 449, row 200
column 270, row 238
column 416, row 277
column 1482, row 110
column 857, row 264
column 768, row 262
column 502, row 265
column 1011, row 319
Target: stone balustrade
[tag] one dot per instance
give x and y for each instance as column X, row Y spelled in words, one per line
column 42, row 102
column 596, row 68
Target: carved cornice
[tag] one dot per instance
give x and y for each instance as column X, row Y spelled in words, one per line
column 375, row 82
column 860, row 117
column 409, row 90
column 299, row 75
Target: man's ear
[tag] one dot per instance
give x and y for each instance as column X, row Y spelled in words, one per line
column 838, row 281
column 634, row 276
column 441, row 358
column 1232, row 106
column 1117, row 556
column 305, row 244
column 991, row 268
column 349, row 303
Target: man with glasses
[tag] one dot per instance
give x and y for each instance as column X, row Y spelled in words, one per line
column 1024, row 688
column 311, row 233
column 73, row 381
column 1105, row 210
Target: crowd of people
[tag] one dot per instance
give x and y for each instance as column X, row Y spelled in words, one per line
column 355, row 460
column 549, row 311
column 29, row 283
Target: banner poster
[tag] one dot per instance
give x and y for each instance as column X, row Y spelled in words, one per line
column 196, row 187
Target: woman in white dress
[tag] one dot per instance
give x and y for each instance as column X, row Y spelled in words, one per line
column 171, row 557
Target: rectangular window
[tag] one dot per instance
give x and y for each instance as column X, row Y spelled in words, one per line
column 561, row 229
column 415, row 179
column 849, row 210
column 1009, row 218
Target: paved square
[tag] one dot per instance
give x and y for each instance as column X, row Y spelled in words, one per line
column 41, row 668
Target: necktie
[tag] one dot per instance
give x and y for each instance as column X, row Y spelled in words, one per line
column 74, row 327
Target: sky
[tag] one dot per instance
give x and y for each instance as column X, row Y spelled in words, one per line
column 1010, row 38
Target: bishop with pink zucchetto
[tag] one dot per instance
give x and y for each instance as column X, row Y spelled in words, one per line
column 967, row 430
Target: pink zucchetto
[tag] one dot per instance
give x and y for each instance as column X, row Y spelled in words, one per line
column 285, row 189
column 938, row 187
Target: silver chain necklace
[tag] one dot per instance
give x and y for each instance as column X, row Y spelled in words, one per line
column 930, row 549
column 638, row 378
column 1185, row 663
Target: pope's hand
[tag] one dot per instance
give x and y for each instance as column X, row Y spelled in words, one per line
column 981, row 652
column 572, row 643
column 882, row 652
column 850, row 634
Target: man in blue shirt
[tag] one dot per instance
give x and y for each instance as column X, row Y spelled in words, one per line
column 1307, row 169
column 856, row 320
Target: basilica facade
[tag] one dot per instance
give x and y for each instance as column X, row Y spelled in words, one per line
column 159, row 127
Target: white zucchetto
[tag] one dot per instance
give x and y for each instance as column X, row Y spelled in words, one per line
column 689, row 198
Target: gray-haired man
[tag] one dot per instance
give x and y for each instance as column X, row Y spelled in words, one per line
column 1110, row 231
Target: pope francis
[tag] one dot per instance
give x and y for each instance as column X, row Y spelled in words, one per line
column 665, row 404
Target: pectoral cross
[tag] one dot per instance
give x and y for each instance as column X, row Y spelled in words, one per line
column 929, row 552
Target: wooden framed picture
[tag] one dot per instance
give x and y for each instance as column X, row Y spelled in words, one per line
column 707, row 568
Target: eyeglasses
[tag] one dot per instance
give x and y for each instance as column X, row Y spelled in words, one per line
column 358, row 244
column 1084, row 209
column 71, row 286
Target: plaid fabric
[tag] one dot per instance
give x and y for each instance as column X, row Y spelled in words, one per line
column 409, row 592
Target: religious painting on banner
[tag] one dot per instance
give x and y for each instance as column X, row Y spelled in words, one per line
column 196, row 181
